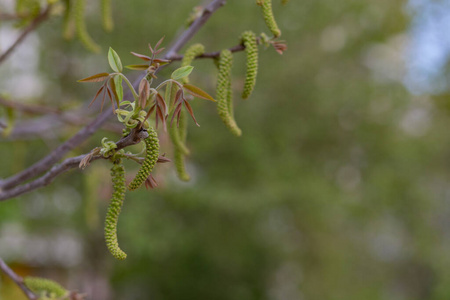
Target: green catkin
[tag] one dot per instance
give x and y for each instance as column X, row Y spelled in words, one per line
column 180, row 133
column 189, row 55
column 107, row 19
column 68, row 28
column 175, row 137
column 112, row 215
column 152, row 153
column 223, row 92
column 266, row 6
column 45, row 287
column 80, row 26
column 251, row 49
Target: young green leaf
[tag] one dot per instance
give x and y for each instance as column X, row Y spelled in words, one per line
column 181, row 72
column 119, row 88
column 95, row 78
column 114, row 60
column 197, row 92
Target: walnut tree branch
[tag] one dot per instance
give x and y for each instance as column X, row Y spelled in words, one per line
column 18, row 280
column 48, row 161
column 216, row 54
column 133, row 138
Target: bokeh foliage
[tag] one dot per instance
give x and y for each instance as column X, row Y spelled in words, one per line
column 335, row 190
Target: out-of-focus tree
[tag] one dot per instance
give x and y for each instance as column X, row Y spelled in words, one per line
column 337, row 189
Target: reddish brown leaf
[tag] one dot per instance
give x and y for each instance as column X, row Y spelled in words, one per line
column 159, row 42
column 112, row 84
column 150, row 47
column 179, row 97
column 103, row 100
column 96, row 95
column 150, row 182
column 198, row 92
column 161, row 61
column 142, row 56
column 176, row 112
column 159, row 51
column 148, row 113
column 95, row 78
column 163, row 159
column 110, row 98
column 161, row 103
column 191, row 112
column 144, row 92
column 160, row 115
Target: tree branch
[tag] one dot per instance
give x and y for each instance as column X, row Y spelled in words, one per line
column 48, row 161
column 236, row 48
column 17, row 280
column 133, row 138
column 34, row 24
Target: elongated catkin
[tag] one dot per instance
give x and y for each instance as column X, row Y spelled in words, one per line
column 251, row 50
column 152, row 153
column 223, row 92
column 266, row 6
column 114, row 209
column 80, row 26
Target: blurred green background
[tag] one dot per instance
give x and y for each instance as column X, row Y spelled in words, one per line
column 338, row 188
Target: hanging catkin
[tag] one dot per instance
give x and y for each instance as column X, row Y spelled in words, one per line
column 266, row 6
column 80, row 25
column 152, row 153
column 45, row 288
column 251, row 50
column 223, row 92
column 114, row 209
column 107, row 19
column 68, row 25
column 179, row 134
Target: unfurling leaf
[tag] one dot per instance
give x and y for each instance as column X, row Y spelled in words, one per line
column 181, row 72
column 114, row 60
column 95, row 78
column 119, row 88
column 144, row 92
column 191, row 112
column 197, row 92
column 142, row 56
column 137, row 67
column 96, row 95
column 114, row 91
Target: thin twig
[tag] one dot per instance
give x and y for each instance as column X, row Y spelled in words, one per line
column 48, row 161
column 236, row 48
column 18, row 280
column 34, row 24
column 194, row 28
column 133, row 138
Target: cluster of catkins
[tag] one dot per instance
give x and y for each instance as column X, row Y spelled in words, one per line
column 178, row 132
column 119, row 186
column 74, row 21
